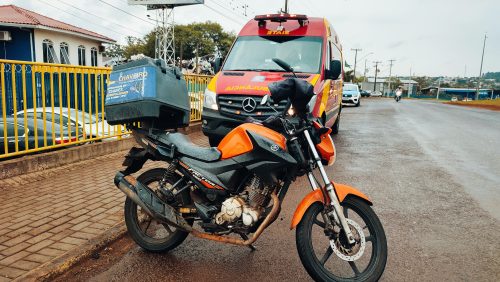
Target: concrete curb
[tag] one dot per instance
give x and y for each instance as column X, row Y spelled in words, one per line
column 48, row 160
column 58, row 265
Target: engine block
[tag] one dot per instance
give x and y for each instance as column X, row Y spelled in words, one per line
column 248, row 206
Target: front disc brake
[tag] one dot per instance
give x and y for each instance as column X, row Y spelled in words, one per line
column 350, row 253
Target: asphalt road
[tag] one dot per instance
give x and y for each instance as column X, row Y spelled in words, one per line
column 432, row 171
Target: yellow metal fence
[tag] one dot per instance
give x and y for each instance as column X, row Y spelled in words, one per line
column 48, row 106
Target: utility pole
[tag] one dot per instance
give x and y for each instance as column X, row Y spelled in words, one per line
column 376, row 71
column 355, row 61
column 391, row 62
column 480, row 69
column 409, row 84
column 439, row 88
column 286, row 6
column 364, row 73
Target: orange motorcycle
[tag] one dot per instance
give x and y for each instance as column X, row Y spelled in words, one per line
column 238, row 187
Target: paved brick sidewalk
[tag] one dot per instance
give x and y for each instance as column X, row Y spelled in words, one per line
column 45, row 214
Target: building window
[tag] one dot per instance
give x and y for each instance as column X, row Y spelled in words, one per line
column 49, row 55
column 64, row 53
column 93, row 56
column 81, row 55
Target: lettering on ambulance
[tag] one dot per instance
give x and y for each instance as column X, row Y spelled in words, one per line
column 247, row 87
column 278, row 32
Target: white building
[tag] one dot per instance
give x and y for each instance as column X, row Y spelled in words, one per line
column 29, row 36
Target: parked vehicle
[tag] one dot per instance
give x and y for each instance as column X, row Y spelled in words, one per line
column 29, row 138
column 310, row 45
column 365, row 93
column 351, row 95
column 376, row 94
column 454, row 99
column 92, row 126
column 238, row 187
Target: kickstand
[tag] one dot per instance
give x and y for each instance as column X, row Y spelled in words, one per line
column 245, row 237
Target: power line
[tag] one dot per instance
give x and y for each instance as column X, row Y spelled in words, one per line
column 214, row 10
column 126, row 12
column 55, row 7
column 227, row 9
column 125, row 27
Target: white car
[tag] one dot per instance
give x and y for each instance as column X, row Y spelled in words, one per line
column 376, row 94
column 94, row 128
column 351, row 95
column 454, row 99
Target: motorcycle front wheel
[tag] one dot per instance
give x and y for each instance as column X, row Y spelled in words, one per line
column 325, row 252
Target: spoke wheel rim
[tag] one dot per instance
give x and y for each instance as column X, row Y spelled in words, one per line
column 326, row 253
column 152, row 230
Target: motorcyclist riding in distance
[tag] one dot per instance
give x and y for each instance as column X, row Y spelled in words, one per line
column 399, row 93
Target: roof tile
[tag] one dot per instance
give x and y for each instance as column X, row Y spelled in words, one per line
column 16, row 15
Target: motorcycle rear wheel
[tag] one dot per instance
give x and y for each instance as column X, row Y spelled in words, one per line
column 323, row 267
column 145, row 231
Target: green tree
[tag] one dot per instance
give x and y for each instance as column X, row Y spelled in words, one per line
column 208, row 38
column 423, row 81
column 395, row 82
column 113, row 50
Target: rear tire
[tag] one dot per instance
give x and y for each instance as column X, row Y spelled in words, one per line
column 133, row 222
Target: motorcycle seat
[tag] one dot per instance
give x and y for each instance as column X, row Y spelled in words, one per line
column 185, row 147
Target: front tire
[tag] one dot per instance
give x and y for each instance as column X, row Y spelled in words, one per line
column 145, row 231
column 324, row 268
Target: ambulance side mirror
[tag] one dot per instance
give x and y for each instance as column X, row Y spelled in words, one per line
column 217, row 64
column 335, row 70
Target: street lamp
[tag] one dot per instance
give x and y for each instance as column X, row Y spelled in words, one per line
column 364, row 57
column 480, row 69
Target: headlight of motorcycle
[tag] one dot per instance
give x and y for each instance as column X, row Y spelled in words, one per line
column 210, row 100
column 291, row 111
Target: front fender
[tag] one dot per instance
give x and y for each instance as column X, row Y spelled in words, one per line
column 341, row 190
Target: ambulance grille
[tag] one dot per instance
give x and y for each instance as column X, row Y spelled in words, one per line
column 232, row 106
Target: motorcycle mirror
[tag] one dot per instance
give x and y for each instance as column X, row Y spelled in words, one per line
column 284, row 65
column 264, row 100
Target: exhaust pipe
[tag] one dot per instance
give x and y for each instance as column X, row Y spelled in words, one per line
column 144, row 197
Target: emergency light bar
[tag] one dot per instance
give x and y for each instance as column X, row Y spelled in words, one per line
column 280, row 18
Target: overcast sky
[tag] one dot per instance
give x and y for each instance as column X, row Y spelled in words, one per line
column 432, row 37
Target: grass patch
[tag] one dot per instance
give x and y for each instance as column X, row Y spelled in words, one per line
column 485, row 104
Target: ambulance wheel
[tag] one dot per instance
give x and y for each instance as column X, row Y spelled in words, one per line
column 336, row 125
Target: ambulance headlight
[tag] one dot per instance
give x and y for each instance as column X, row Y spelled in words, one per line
column 210, row 100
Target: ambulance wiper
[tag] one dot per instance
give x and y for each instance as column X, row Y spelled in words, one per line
column 269, row 70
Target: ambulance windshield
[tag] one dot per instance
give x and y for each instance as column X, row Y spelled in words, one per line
column 255, row 53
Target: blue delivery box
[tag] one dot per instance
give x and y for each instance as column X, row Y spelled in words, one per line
column 147, row 91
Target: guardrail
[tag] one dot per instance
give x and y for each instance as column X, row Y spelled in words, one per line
column 48, row 106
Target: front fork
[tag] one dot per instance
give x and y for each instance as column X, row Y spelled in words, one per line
column 338, row 214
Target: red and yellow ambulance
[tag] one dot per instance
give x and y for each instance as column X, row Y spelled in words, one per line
column 309, row 45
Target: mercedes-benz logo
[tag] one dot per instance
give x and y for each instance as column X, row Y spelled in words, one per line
column 249, row 105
